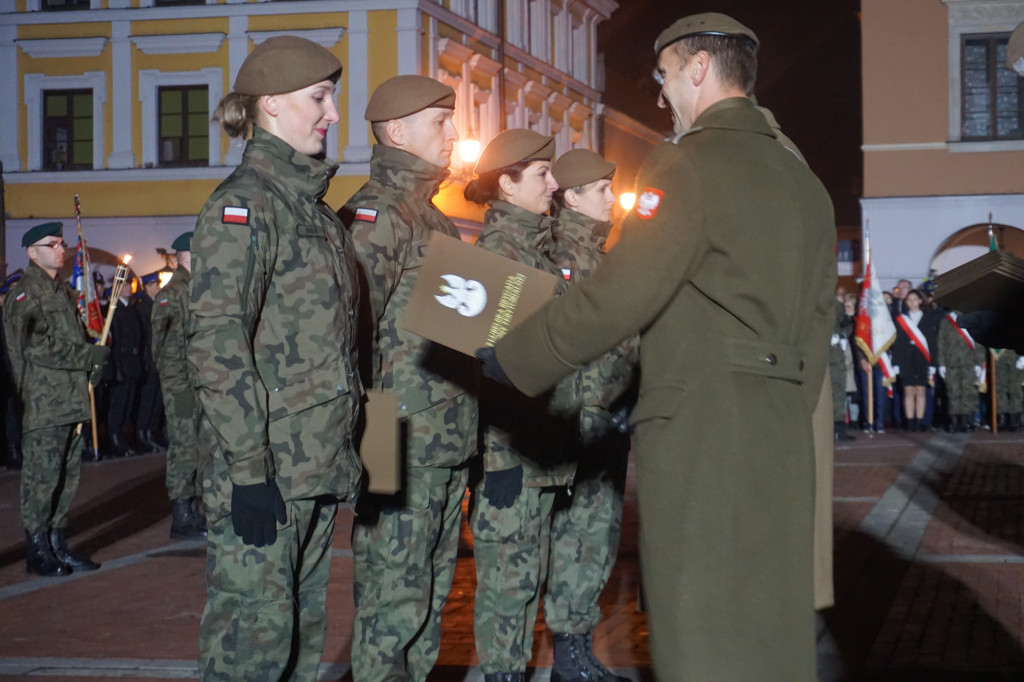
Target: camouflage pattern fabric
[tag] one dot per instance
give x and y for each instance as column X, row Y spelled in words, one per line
column 510, row 547
column 405, row 555
column 50, row 472
column 271, row 330
column 837, row 361
column 170, row 308
column 404, row 564
column 959, row 359
column 1009, row 397
column 544, row 450
column 586, row 525
column 50, row 356
column 262, row 621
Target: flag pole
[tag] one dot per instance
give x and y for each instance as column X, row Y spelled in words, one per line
column 993, row 401
column 92, row 392
column 871, row 367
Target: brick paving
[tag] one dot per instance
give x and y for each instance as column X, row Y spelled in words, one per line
column 929, row 575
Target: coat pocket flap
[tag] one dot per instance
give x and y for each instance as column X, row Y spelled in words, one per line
column 658, row 402
column 776, row 360
column 301, row 392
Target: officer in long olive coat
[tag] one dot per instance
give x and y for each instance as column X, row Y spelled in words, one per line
column 726, row 268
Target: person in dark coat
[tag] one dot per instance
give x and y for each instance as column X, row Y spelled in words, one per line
column 912, row 357
column 126, row 339
column 150, row 414
column 10, row 427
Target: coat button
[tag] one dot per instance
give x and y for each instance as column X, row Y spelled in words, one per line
column 771, row 359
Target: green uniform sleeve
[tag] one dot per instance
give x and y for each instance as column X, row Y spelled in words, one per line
column 633, row 285
column 229, row 283
column 381, row 248
column 168, row 338
column 38, row 342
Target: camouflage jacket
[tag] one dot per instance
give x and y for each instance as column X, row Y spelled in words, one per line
column 537, row 433
column 271, row 329
column 953, row 349
column 607, row 384
column 390, row 219
column 168, row 323
column 50, row 355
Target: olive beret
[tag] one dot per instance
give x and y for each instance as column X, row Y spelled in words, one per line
column 151, row 277
column 581, row 167
column 1015, row 50
column 513, row 146
column 401, row 96
column 285, row 64
column 36, row 233
column 183, row 242
column 706, row 24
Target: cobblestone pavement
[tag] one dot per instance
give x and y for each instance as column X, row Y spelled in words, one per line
column 929, row 571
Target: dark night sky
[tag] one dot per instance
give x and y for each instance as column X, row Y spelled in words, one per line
column 809, row 76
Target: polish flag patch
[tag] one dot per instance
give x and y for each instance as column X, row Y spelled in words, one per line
column 20, row 297
column 235, row 215
column 367, row 215
column 164, row 302
column 648, row 203
column 567, row 274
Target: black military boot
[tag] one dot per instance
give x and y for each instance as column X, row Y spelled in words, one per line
column 40, row 559
column 184, row 524
column 504, row 677
column 575, row 661
column 1014, row 421
column 199, row 512
column 61, row 551
column 842, row 432
column 13, row 455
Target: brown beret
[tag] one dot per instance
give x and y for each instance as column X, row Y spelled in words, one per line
column 706, row 24
column 513, row 146
column 581, row 167
column 285, row 64
column 1015, row 50
column 401, row 96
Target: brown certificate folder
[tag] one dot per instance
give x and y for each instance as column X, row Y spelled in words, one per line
column 994, row 281
column 379, row 447
column 466, row 297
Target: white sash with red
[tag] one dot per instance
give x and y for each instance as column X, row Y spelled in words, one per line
column 951, row 316
column 915, row 335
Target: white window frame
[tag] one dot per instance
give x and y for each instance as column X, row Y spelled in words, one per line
column 36, row 84
column 150, row 82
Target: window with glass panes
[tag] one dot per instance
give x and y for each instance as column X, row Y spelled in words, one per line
column 58, row 5
column 67, row 129
column 993, row 95
column 184, row 125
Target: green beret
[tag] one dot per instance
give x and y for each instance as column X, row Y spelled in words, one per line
column 401, row 96
column 513, row 146
column 706, row 24
column 183, row 242
column 36, row 233
column 581, row 167
column 285, row 64
column 1015, row 50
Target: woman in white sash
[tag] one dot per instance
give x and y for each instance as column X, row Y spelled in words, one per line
column 912, row 357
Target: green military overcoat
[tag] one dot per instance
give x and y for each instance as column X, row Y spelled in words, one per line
column 726, row 269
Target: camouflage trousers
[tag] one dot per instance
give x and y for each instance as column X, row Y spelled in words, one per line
column 183, row 447
column 50, row 471
column 510, row 549
column 961, row 389
column 266, row 608
column 585, row 532
column 404, row 564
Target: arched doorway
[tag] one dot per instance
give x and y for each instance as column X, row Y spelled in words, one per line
column 972, row 241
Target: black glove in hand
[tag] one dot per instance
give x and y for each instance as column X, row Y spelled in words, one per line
column 491, row 367
column 255, row 512
column 501, row 488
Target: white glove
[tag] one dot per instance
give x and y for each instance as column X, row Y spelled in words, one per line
column 931, row 373
column 942, row 372
column 896, row 370
column 835, row 339
column 977, row 372
column 1020, row 362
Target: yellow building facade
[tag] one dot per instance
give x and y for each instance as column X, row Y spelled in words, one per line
column 112, row 99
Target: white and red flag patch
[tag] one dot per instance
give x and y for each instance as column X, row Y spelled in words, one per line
column 648, row 202
column 367, row 215
column 21, row 297
column 164, row 302
column 236, row 215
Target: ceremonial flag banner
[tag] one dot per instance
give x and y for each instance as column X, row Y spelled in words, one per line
column 875, row 328
column 82, row 282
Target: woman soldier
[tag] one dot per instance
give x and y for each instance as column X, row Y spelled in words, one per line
column 527, row 443
column 271, row 353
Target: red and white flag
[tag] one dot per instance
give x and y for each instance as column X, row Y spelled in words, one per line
column 875, row 329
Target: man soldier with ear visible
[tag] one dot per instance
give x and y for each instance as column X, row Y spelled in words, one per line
column 405, row 546
column 52, row 362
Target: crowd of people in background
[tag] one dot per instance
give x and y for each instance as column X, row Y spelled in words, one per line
column 941, row 378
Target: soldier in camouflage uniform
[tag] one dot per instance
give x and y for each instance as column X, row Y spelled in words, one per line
column 170, row 308
column 1009, row 373
column 960, row 360
column 271, row 351
column 405, row 546
column 52, row 362
column 586, row 526
column 527, row 448
column 840, row 345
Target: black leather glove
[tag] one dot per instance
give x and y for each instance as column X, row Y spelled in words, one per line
column 255, row 512
column 994, row 329
column 501, row 488
column 98, row 356
column 491, row 367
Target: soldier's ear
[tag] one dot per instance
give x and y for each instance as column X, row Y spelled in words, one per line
column 572, row 200
column 270, row 105
column 396, row 132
